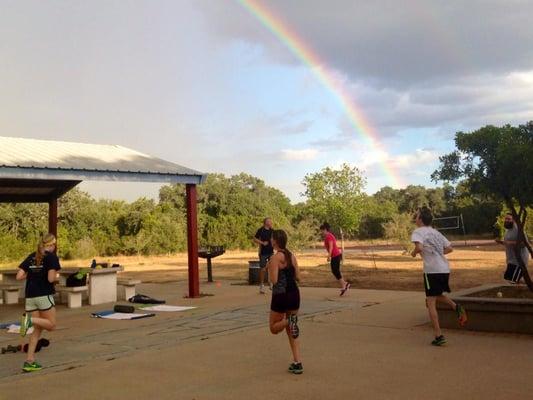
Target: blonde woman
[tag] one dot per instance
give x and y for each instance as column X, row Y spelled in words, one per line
column 39, row 270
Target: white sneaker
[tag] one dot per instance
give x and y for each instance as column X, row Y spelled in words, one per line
column 262, row 289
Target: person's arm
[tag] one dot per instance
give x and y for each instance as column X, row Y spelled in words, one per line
column 296, row 268
column 257, row 237
column 53, row 266
column 417, row 249
column 448, row 250
column 330, row 249
column 272, row 266
column 24, row 267
column 21, row 275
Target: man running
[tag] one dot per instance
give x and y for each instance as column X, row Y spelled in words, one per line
column 513, row 272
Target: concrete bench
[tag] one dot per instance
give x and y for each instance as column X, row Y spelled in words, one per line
column 74, row 294
column 126, row 288
column 10, row 293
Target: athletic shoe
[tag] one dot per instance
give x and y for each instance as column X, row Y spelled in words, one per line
column 262, row 289
column 439, row 341
column 343, row 291
column 293, row 326
column 461, row 315
column 25, row 324
column 31, row 366
column 296, row 368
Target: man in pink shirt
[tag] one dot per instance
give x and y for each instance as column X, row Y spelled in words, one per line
column 334, row 256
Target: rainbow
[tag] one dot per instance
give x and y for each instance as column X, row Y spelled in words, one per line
column 356, row 117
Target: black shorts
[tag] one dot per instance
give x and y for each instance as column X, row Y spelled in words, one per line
column 283, row 302
column 436, row 284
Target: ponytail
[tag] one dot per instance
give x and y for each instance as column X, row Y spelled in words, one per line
column 280, row 236
column 46, row 240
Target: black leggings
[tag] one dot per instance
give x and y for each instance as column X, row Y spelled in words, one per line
column 336, row 266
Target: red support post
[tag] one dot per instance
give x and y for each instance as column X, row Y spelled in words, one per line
column 52, row 218
column 192, row 240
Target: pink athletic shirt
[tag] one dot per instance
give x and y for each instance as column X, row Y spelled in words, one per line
column 330, row 238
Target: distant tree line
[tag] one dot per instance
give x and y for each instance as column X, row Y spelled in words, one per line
column 231, row 209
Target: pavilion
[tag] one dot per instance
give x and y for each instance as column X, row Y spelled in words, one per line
column 41, row 171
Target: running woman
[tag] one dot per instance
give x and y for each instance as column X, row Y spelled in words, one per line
column 433, row 246
column 39, row 270
column 284, row 273
column 334, row 256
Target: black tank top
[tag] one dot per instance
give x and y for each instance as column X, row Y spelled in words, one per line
column 286, row 278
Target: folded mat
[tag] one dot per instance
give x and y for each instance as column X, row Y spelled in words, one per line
column 110, row 314
column 165, row 307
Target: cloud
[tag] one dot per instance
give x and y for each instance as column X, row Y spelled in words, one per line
column 407, row 64
column 299, row 155
column 394, row 43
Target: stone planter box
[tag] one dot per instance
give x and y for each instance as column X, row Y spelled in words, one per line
column 490, row 314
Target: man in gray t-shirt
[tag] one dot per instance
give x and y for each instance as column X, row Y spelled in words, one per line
column 509, row 241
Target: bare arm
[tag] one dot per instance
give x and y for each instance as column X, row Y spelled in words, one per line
column 448, row 250
column 417, row 249
column 52, row 274
column 21, row 275
column 296, row 268
column 273, row 268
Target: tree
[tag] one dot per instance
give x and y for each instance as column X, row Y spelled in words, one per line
column 336, row 196
column 497, row 162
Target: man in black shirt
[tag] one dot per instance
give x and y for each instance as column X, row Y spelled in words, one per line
column 263, row 238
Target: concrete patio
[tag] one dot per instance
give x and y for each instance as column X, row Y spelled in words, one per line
column 372, row 344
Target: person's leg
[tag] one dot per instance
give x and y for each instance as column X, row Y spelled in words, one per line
column 294, row 343
column 32, row 345
column 446, row 300
column 262, row 274
column 431, row 302
column 277, row 322
column 336, row 271
column 46, row 319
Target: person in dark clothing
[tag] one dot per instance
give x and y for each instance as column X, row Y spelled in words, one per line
column 284, row 275
column 39, row 270
column 263, row 237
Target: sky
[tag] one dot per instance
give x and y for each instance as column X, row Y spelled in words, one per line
column 206, row 84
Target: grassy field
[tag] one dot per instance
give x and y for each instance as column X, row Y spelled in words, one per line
column 471, row 266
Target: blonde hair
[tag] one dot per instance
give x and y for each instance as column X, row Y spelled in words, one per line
column 46, row 240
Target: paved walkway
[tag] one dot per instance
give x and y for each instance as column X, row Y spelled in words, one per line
column 372, row 344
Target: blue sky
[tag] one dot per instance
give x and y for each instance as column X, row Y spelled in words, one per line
column 204, row 84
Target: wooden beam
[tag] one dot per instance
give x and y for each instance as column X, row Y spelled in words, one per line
column 192, row 240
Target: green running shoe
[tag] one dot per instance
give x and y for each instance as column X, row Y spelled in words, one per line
column 296, row 368
column 439, row 341
column 25, row 324
column 31, row 366
column 461, row 314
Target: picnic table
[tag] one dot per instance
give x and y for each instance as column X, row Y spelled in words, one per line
column 102, row 283
column 9, row 277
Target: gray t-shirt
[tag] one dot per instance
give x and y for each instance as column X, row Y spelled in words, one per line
column 512, row 234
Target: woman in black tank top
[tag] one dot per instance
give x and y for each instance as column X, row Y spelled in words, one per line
column 284, row 274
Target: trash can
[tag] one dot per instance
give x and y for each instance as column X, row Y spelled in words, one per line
column 253, row 272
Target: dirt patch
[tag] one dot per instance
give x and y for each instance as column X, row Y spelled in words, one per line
column 366, row 270
column 507, row 292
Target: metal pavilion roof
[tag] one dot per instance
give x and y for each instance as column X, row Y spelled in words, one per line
column 40, row 170
column 32, row 158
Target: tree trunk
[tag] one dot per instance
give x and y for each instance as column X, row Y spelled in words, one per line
column 520, row 219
